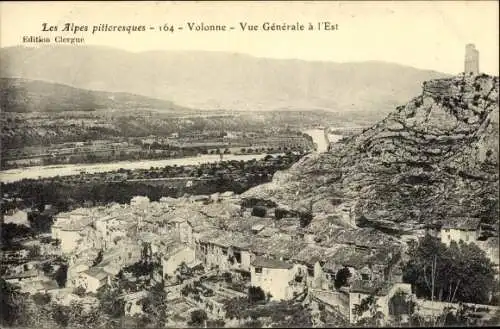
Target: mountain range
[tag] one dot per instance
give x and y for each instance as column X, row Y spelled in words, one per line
column 22, row 95
column 218, row 80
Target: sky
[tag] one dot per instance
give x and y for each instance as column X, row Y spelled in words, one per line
column 427, row 35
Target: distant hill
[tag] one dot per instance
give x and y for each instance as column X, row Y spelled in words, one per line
column 217, row 80
column 22, row 95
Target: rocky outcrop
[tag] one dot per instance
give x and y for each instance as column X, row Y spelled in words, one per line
column 435, row 157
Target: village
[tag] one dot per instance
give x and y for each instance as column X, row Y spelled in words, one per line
column 206, row 250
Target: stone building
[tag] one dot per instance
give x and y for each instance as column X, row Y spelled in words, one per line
column 471, row 60
column 460, row 228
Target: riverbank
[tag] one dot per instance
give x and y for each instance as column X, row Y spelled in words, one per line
column 13, row 175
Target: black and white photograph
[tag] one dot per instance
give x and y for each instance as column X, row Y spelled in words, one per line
column 249, row 164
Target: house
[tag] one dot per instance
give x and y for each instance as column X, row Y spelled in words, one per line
column 139, row 201
column 364, row 264
column 313, row 258
column 381, row 291
column 94, row 278
column 68, row 228
column 174, row 255
column 276, row 278
column 183, row 230
column 133, row 303
column 19, row 217
column 460, row 228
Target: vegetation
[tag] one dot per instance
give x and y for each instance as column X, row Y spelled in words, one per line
column 11, row 307
column 109, row 302
column 198, row 318
column 443, row 273
column 155, row 306
column 342, row 277
column 259, row 211
column 87, row 189
column 367, row 313
column 256, row 294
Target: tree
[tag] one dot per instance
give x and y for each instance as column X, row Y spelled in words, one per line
column 109, row 302
column 61, row 315
column 256, row 294
column 342, row 277
column 198, row 318
column 374, row 316
column 155, row 306
column 443, row 273
column 61, row 275
column 400, row 304
column 11, row 304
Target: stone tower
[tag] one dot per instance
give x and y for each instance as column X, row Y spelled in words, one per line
column 471, row 60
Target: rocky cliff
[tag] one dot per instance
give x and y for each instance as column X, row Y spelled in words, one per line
column 435, row 157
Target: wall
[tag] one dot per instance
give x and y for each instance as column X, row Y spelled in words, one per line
column 185, row 232
column 133, row 307
column 448, row 235
column 69, row 240
column 274, row 281
column 245, row 260
column 91, row 284
column 212, row 255
column 382, row 301
column 171, row 262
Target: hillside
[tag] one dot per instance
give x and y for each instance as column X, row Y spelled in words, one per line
column 211, row 80
column 435, row 157
column 22, row 95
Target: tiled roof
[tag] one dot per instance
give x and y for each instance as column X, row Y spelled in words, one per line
column 50, row 285
column 378, row 288
column 97, row 272
column 270, row 263
column 312, row 254
column 462, row 223
column 353, row 257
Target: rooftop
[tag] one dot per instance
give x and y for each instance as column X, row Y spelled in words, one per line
column 377, row 288
column 312, row 254
column 97, row 272
column 462, row 223
column 50, row 285
column 270, row 263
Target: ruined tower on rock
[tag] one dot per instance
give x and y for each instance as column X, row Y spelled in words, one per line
column 471, row 60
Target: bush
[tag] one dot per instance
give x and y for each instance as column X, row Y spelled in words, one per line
column 342, row 277
column 256, row 294
column 227, row 277
column 41, row 299
column 305, row 219
column 79, row 291
column 280, row 213
column 198, row 317
column 259, row 211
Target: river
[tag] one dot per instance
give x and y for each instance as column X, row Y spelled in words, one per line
column 318, row 136
column 12, row 175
